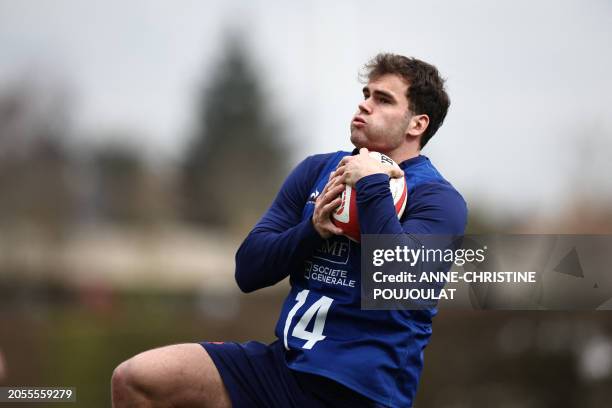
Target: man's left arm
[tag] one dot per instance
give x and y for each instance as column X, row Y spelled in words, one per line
column 433, row 208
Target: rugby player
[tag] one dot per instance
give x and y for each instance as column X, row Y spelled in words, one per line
column 328, row 352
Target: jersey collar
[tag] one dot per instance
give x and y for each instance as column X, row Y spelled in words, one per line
column 406, row 164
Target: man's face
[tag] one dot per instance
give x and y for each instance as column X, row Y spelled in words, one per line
column 383, row 116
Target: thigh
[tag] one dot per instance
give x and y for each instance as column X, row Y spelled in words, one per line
column 179, row 375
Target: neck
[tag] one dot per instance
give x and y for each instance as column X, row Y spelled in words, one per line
column 403, row 153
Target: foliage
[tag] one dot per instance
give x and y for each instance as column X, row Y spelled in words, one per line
column 233, row 165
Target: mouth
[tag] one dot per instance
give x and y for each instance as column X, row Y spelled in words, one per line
column 359, row 121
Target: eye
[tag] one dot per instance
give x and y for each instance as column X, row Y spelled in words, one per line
column 384, row 100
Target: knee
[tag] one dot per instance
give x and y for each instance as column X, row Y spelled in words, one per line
column 176, row 375
column 124, row 383
column 120, row 375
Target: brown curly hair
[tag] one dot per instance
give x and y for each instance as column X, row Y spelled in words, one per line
column 426, row 93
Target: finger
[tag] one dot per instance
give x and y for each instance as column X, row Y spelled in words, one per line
column 330, row 227
column 332, row 175
column 344, row 161
column 364, row 151
column 330, row 195
column 338, row 184
column 335, row 178
column 340, row 170
column 345, row 177
column 331, row 206
column 335, row 230
column 336, row 190
column 325, row 188
column 334, row 193
column 333, row 181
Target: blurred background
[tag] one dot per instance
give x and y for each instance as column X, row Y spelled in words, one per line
column 131, row 133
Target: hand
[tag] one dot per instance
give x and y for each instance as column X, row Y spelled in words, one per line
column 329, row 199
column 351, row 169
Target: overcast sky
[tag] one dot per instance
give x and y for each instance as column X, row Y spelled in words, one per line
column 531, row 116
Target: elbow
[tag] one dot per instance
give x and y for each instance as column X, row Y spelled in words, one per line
column 244, row 288
column 242, row 275
column 243, row 284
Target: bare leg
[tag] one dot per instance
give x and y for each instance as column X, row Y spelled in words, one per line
column 182, row 375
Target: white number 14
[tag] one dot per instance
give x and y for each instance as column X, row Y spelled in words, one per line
column 320, row 307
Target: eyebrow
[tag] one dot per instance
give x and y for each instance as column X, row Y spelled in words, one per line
column 378, row 92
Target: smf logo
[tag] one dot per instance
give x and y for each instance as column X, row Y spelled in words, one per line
column 335, row 250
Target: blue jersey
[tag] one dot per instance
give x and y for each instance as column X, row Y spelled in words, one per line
column 377, row 353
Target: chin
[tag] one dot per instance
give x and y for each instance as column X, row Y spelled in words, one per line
column 359, row 139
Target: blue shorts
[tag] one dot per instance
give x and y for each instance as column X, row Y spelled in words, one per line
column 256, row 375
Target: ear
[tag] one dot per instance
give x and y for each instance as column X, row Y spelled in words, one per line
column 417, row 126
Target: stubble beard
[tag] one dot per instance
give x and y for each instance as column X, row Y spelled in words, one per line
column 378, row 139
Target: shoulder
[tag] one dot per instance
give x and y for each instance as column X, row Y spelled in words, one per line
column 313, row 165
column 440, row 191
column 322, row 159
column 433, row 194
column 424, row 178
column 305, row 175
column 440, row 205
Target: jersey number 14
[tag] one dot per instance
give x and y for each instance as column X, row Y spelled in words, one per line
column 318, row 308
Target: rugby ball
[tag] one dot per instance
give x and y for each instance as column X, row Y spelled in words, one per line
column 345, row 216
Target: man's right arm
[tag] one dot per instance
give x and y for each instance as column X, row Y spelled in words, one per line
column 281, row 239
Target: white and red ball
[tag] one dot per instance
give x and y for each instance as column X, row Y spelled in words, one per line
column 345, row 216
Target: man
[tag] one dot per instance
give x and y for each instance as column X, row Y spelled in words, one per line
column 329, row 352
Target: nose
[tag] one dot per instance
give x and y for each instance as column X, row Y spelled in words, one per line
column 364, row 106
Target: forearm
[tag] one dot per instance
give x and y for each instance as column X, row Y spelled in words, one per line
column 375, row 206
column 431, row 209
column 267, row 256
